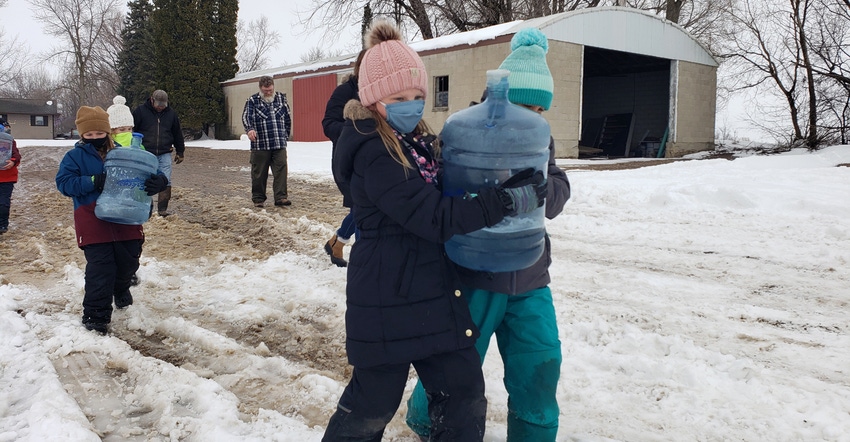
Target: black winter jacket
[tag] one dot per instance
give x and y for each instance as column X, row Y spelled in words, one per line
column 536, row 276
column 161, row 129
column 402, row 297
column 333, row 121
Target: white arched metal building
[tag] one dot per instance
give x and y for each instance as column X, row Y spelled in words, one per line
column 625, row 80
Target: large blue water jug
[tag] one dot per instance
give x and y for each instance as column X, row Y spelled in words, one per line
column 5, row 147
column 483, row 146
column 124, row 200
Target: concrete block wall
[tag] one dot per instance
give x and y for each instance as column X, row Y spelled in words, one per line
column 467, row 72
column 696, row 104
column 566, row 65
column 467, row 69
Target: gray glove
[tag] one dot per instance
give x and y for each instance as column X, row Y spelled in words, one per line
column 524, row 192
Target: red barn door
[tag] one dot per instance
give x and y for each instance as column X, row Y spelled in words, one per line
column 309, row 98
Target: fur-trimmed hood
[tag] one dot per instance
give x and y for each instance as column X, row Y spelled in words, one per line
column 354, row 110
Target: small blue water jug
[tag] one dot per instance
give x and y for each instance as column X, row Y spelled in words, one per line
column 5, row 147
column 124, row 200
column 483, row 146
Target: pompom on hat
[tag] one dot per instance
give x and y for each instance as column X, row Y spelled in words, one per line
column 92, row 118
column 389, row 66
column 530, row 81
column 119, row 114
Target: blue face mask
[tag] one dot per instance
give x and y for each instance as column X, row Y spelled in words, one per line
column 404, row 115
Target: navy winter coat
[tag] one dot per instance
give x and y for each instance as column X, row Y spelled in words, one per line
column 161, row 129
column 402, row 296
column 333, row 121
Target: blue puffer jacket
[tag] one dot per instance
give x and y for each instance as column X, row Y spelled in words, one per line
column 402, row 297
column 74, row 180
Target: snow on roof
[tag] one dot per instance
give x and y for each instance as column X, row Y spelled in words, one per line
column 595, row 31
column 445, row 41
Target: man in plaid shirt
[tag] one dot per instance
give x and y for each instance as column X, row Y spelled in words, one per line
column 267, row 124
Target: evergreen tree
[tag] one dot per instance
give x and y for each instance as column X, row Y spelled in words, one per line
column 136, row 65
column 176, row 45
column 195, row 43
column 221, row 53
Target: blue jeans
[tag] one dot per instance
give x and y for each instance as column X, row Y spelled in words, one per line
column 165, row 165
column 527, row 334
column 347, row 228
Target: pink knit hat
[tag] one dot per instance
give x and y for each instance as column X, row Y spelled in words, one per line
column 389, row 66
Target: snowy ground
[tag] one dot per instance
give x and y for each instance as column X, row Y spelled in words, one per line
column 698, row 300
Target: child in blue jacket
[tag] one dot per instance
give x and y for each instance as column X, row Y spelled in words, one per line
column 112, row 250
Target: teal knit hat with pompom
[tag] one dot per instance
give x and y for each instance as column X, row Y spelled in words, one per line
column 530, row 81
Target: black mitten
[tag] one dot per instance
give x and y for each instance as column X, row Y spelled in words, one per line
column 98, row 181
column 155, row 184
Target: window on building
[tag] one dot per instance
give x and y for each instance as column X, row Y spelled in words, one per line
column 441, row 92
column 38, row 120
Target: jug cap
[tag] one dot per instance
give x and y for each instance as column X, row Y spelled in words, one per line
column 496, row 76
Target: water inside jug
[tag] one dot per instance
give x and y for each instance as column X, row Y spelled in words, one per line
column 137, row 140
column 5, row 147
column 483, row 146
column 124, row 200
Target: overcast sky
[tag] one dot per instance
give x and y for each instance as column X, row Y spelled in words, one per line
column 17, row 20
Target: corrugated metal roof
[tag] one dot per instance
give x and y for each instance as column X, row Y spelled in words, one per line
column 610, row 27
column 625, row 30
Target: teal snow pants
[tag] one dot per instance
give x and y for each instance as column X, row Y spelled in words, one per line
column 527, row 335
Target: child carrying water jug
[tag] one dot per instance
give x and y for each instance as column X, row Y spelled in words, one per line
column 111, row 250
column 516, row 306
column 403, row 303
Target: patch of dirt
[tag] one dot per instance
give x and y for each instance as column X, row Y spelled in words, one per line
column 211, row 209
column 211, row 215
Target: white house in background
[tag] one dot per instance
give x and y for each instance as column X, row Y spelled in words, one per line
column 625, row 80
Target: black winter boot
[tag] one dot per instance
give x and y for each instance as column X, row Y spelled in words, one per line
column 96, row 325
column 123, row 300
column 162, row 201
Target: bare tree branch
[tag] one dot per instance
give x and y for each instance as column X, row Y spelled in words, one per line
column 255, row 40
column 87, row 27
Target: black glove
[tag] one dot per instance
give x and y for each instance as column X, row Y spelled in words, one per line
column 98, row 181
column 155, row 184
column 524, row 192
column 178, row 159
